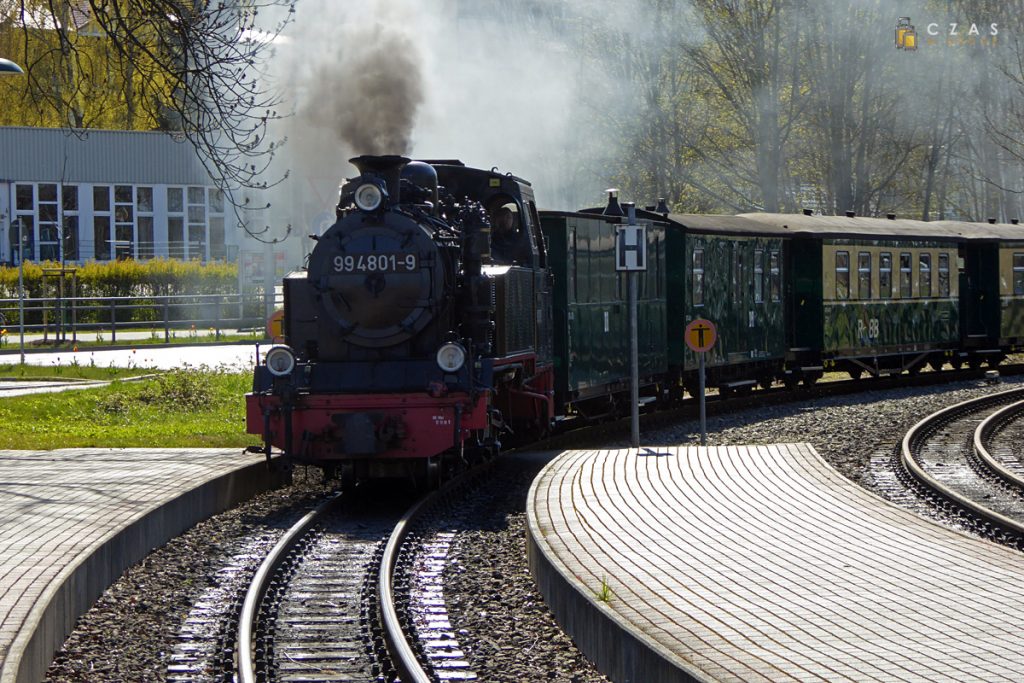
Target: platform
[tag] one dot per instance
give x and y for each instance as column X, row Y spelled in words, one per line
column 763, row 563
column 71, row 521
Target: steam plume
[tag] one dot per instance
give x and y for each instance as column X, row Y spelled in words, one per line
column 371, row 93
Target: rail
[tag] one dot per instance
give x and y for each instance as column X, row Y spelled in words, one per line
column 63, row 319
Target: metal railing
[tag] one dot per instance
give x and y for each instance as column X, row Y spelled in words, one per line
column 63, row 319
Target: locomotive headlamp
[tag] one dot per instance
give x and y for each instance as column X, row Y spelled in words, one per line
column 451, row 357
column 280, row 361
column 368, row 196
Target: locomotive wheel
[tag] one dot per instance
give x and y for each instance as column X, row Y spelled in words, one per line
column 936, row 365
column 974, row 363
column 792, row 381
column 855, row 373
column 766, row 382
column 811, row 379
column 346, row 473
column 994, row 361
column 432, row 473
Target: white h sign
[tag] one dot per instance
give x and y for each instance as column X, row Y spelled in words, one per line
column 631, row 247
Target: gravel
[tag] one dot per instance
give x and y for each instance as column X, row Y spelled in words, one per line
column 501, row 621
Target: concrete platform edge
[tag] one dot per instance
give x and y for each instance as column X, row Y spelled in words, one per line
column 618, row 651
column 82, row 583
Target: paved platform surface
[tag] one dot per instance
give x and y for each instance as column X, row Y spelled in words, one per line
column 72, row 520
column 763, row 563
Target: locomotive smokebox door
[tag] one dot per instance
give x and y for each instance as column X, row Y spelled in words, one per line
column 380, row 282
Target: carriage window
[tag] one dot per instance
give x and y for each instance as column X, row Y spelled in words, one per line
column 1018, row 273
column 758, row 276
column 924, row 276
column 842, row 275
column 698, row 277
column 905, row 273
column 944, row 274
column 864, row 275
column 775, row 278
column 885, row 275
column 738, row 279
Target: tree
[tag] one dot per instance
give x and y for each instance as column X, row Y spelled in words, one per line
column 191, row 67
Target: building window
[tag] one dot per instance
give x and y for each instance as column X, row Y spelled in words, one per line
column 906, row 264
column 176, row 222
column 146, row 240
column 101, row 221
column 49, row 224
column 25, row 218
column 944, row 274
column 69, row 221
column 885, row 275
column 196, row 223
column 864, row 275
column 124, row 222
column 842, row 275
column 1018, row 273
column 218, row 250
column 775, row 276
column 698, row 277
column 924, row 276
column 758, row 276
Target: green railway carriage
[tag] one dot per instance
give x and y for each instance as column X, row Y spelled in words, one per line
column 993, row 275
column 873, row 295
column 731, row 271
column 591, row 311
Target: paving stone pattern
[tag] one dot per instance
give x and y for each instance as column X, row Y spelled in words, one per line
column 762, row 563
column 57, row 507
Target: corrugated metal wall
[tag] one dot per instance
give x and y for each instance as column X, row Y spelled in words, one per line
column 97, row 156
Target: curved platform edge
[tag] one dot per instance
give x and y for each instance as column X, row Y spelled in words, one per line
column 618, row 651
column 83, row 582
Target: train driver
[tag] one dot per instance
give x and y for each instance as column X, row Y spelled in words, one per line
column 508, row 244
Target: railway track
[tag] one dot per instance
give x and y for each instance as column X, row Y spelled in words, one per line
column 951, row 457
column 349, row 595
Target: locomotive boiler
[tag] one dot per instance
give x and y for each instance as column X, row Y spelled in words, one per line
column 410, row 346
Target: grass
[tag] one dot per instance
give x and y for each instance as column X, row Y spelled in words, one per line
column 17, row 371
column 198, row 408
column 178, row 338
column 604, row 594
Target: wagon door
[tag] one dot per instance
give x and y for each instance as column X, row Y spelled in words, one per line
column 979, row 294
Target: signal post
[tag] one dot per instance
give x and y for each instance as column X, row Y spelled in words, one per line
column 700, row 336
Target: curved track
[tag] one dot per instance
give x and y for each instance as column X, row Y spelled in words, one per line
column 946, row 453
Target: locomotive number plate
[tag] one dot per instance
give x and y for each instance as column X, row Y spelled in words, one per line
column 376, row 263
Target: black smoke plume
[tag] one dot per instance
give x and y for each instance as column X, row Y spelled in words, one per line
column 370, row 95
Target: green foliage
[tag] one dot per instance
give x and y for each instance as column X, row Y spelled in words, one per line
column 159, row 277
column 193, row 407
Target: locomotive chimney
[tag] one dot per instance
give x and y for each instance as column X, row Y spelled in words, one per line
column 808, row 212
column 662, row 207
column 387, row 167
column 1015, row 221
column 613, row 208
column 891, row 216
column 851, row 214
column 991, row 221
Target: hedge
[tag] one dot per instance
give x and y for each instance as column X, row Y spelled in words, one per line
column 158, row 277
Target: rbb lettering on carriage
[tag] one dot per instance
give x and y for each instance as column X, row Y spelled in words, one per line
column 376, row 263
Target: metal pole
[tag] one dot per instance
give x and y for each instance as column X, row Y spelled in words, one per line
column 634, row 361
column 21, row 291
column 703, row 411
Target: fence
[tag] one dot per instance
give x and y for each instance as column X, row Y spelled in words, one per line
column 61, row 319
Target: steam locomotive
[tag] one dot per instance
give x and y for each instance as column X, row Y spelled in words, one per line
column 409, row 347
column 413, row 346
